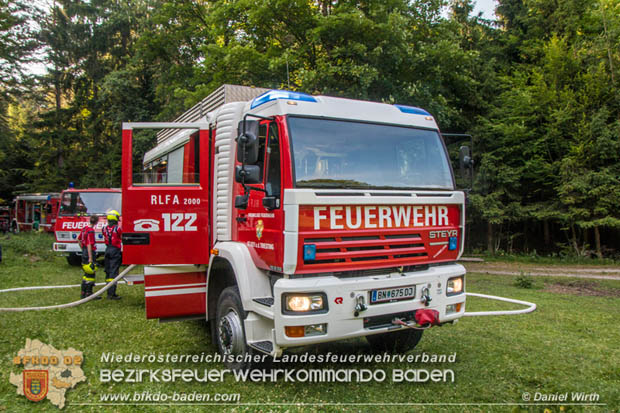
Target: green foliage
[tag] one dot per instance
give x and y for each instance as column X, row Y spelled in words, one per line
column 549, row 144
column 538, row 90
column 524, row 281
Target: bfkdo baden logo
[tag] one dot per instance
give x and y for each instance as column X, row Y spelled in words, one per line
column 35, row 384
column 48, row 372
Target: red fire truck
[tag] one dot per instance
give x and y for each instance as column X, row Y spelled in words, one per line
column 5, row 218
column 287, row 220
column 34, row 212
column 76, row 207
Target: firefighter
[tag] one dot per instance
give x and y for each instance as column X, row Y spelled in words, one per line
column 89, row 253
column 112, row 238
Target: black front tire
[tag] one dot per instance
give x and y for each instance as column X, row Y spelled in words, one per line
column 229, row 330
column 396, row 342
column 74, row 260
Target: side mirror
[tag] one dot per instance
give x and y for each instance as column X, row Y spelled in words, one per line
column 248, row 174
column 247, row 142
column 241, row 201
column 466, row 164
column 465, row 159
column 271, row 202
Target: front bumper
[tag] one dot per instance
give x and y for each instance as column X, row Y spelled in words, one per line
column 342, row 298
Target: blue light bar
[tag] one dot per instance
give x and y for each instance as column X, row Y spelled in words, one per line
column 281, row 94
column 309, row 252
column 412, row 110
column 452, row 243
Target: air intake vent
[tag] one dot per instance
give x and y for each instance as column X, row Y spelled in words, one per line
column 369, row 248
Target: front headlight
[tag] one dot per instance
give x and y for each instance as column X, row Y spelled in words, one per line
column 304, row 303
column 455, row 286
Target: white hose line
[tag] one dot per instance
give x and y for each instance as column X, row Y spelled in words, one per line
column 49, row 287
column 75, row 303
column 531, row 306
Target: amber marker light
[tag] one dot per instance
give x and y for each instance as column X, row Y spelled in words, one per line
column 294, row 331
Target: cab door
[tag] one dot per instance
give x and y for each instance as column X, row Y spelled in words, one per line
column 166, row 213
column 260, row 227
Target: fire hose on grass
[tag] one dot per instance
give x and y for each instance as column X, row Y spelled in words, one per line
column 424, row 318
column 67, row 305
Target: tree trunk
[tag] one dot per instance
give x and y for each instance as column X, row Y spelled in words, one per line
column 609, row 49
column 490, row 246
column 57, row 93
column 574, row 240
column 547, row 234
column 597, row 241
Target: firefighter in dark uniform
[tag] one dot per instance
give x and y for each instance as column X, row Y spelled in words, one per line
column 89, row 253
column 112, row 238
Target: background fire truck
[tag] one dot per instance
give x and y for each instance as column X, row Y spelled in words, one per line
column 76, row 206
column 5, row 218
column 287, row 220
column 34, row 211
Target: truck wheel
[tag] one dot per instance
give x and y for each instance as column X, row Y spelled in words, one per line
column 229, row 330
column 74, row 259
column 396, row 342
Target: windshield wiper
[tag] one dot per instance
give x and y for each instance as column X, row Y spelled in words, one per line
column 332, row 183
column 351, row 184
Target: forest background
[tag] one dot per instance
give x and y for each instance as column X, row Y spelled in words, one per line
column 537, row 88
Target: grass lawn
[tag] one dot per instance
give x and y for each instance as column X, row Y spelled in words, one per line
column 570, row 344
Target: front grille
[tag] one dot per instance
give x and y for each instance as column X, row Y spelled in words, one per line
column 67, row 235
column 367, row 248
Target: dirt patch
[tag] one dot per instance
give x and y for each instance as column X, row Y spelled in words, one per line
column 510, row 268
column 581, row 288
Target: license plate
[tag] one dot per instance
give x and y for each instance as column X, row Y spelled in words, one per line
column 392, row 294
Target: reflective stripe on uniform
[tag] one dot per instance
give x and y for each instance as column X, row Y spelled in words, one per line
column 109, row 280
column 85, row 278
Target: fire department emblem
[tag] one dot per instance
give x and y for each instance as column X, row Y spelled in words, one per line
column 259, row 228
column 48, row 373
column 35, row 384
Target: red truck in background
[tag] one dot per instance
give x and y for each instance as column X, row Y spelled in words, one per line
column 76, row 206
column 5, row 218
column 34, row 212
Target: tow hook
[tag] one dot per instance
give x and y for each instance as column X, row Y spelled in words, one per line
column 360, row 305
column 426, row 296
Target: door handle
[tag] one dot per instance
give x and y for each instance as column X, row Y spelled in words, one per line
column 130, row 238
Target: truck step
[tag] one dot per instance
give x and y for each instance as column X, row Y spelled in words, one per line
column 134, row 279
column 262, row 346
column 266, row 301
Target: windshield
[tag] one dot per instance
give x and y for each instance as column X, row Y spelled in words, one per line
column 89, row 202
column 341, row 154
